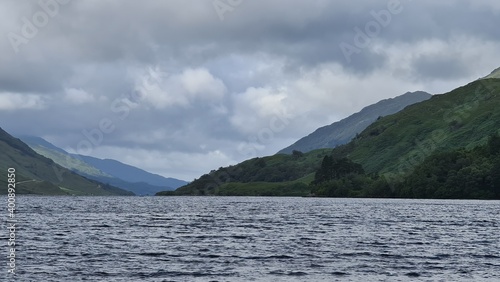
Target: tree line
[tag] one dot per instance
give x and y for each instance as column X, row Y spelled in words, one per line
column 455, row 174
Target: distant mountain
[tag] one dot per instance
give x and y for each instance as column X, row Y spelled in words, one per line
column 61, row 157
column 343, row 131
column 41, row 142
column 130, row 173
column 36, row 174
column 113, row 172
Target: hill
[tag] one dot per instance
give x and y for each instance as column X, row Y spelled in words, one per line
column 36, row 174
column 343, row 131
column 267, row 176
column 389, row 151
column 61, row 157
column 112, row 172
column 450, row 174
column 130, row 173
column 493, row 74
column 462, row 118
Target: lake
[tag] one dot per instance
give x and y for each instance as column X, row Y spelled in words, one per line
column 254, row 239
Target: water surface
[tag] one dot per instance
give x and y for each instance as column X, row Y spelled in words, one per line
column 255, row 239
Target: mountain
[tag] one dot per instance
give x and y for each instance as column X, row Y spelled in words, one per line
column 343, row 131
column 493, row 74
column 61, row 157
column 464, row 117
column 130, row 173
column 429, row 142
column 113, row 172
column 447, row 147
column 36, row 174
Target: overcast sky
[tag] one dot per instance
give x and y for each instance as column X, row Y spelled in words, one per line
column 181, row 87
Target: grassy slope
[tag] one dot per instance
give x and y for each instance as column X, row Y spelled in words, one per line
column 341, row 132
column 50, row 178
column 298, row 187
column 264, row 176
column 464, row 117
column 68, row 161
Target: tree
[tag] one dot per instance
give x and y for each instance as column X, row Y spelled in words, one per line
column 495, row 175
column 297, row 154
column 494, row 144
column 332, row 169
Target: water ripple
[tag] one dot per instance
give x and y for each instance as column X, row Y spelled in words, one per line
column 255, row 239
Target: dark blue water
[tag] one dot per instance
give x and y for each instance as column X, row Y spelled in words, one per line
column 254, row 239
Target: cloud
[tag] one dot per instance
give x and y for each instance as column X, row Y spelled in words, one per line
column 78, row 96
column 198, row 93
column 15, row 101
column 200, row 83
column 255, row 106
column 190, row 86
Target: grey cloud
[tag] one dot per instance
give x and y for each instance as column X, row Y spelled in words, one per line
column 306, row 32
column 100, row 47
column 441, row 66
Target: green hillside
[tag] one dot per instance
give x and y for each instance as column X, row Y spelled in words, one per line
column 388, row 151
column 341, row 132
column 259, row 176
column 395, row 144
column 450, row 174
column 68, row 161
column 36, row 174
